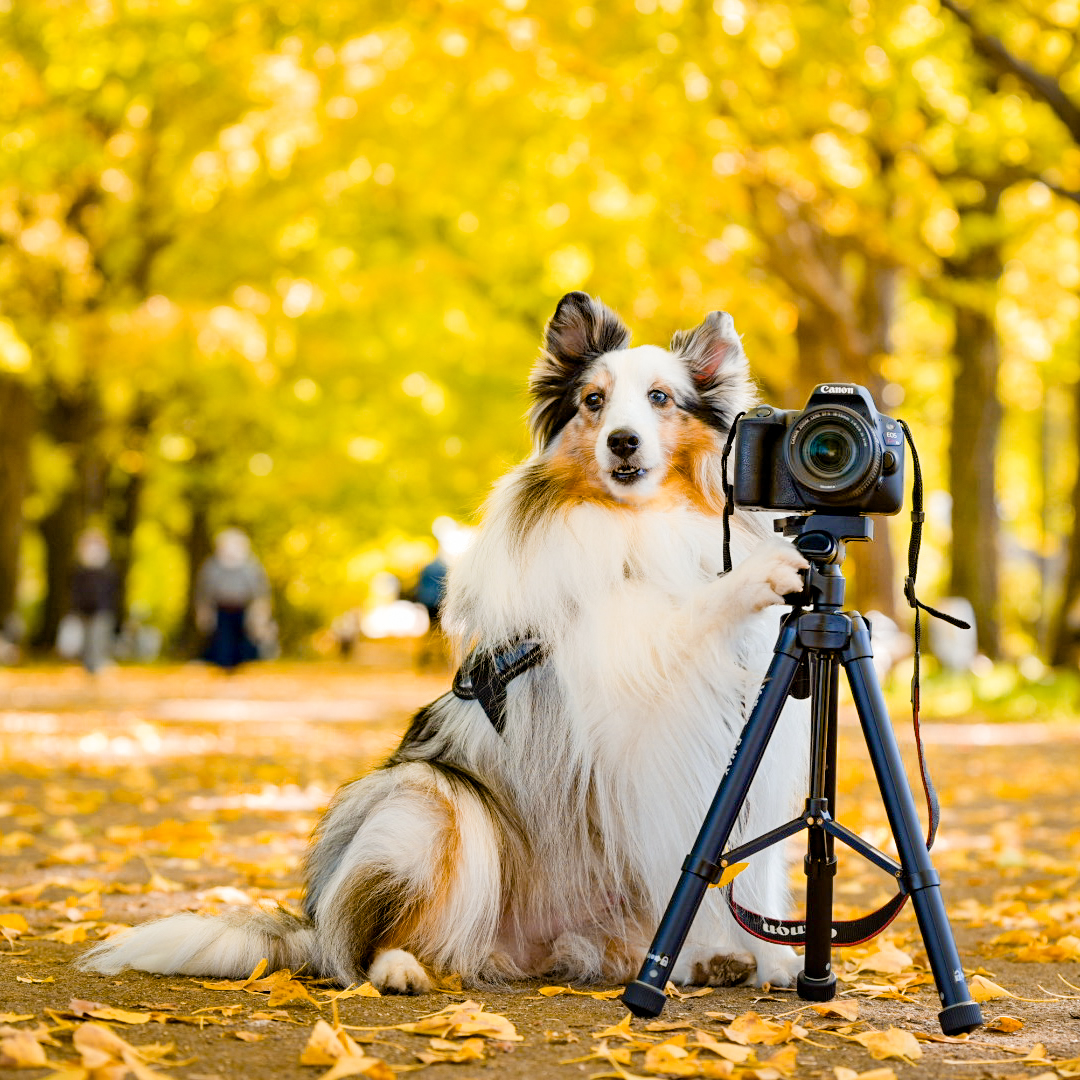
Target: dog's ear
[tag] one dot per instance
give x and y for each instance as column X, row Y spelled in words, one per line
column 714, row 355
column 580, row 330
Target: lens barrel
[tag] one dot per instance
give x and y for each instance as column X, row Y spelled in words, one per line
column 833, row 453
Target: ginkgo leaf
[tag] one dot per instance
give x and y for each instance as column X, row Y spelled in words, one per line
column 599, row 995
column 1005, row 1025
column 752, row 1028
column 894, row 1042
column 841, row 1072
column 444, row 1050
column 467, row 1018
column 982, row 989
column 842, row 1009
column 22, row 1051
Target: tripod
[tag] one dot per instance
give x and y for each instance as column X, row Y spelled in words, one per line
column 823, row 638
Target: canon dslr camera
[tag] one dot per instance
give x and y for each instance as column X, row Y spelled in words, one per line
column 839, row 455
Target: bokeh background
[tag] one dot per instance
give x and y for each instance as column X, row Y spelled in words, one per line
column 285, row 266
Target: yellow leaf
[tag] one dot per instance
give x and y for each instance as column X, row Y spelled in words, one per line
column 14, row 921
column 14, row 1018
column 22, row 1051
column 371, row 1067
column 1005, row 1025
column 982, row 989
column 782, row 1063
column 728, row 1051
column 365, row 990
column 886, row 959
column 99, row 1011
column 327, row 1045
column 843, row 1009
column 752, row 1028
column 599, row 995
column 466, row 1018
column 730, row 874
column 248, row 1036
column 443, row 1050
column 892, row 1043
column 843, row 1073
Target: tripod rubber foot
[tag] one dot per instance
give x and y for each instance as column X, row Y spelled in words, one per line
column 810, row 989
column 645, row 1000
column 957, row 1019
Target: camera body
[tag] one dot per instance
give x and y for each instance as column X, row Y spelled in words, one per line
column 838, row 455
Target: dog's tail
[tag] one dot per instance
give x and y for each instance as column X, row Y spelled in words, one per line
column 227, row 946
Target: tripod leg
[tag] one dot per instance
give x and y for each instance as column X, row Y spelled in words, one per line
column 645, row 996
column 817, row 982
column 920, row 879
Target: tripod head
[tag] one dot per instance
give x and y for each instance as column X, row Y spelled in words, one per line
column 821, row 540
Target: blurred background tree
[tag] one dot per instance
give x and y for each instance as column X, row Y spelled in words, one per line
column 286, row 266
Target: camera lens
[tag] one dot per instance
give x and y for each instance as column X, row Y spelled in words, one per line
column 827, row 453
column 833, row 453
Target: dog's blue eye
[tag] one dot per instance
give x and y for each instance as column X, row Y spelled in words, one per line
column 594, row 401
column 657, row 397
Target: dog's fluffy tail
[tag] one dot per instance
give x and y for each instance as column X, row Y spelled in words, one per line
column 227, row 946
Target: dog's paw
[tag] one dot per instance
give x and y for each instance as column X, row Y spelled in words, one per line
column 769, row 573
column 395, row 971
column 778, row 965
column 720, row 969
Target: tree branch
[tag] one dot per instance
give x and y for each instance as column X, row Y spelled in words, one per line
column 1041, row 86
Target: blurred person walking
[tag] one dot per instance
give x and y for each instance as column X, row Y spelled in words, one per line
column 232, row 602
column 95, row 593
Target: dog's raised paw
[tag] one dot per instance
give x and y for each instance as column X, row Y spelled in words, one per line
column 395, row 971
column 724, row 969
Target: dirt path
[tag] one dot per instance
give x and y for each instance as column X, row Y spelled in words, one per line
column 147, row 792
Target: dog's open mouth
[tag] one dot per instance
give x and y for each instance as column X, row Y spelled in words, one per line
column 627, row 474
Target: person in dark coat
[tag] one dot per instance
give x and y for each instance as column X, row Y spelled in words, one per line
column 232, row 601
column 95, row 594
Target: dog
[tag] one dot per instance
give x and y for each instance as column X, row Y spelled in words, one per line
column 541, row 835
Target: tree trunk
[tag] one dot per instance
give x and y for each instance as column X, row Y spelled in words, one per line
column 976, row 427
column 1065, row 632
column 74, row 419
column 17, row 421
column 198, row 547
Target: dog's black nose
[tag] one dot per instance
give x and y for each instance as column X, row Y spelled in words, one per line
column 623, row 443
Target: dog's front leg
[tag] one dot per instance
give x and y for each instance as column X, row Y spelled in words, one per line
column 761, row 580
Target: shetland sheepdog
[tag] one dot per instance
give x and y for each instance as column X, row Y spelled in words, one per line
column 548, row 845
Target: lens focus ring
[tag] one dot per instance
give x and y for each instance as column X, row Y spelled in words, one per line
column 833, row 453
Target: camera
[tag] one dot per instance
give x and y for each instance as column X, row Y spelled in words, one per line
column 838, row 455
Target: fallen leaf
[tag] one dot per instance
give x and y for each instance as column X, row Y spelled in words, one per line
column 1005, row 1025
column 599, row 995
column 841, row 1072
column 248, row 1036
column 843, row 1009
column 891, row 1043
column 466, row 1018
column 15, row 1018
column 982, row 989
column 22, row 1051
column 364, row 990
column 444, row 1050
column 99, row 1011
column 752, row 1028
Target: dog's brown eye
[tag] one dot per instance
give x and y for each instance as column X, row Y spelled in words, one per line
column 657, row 397
column 593, row 401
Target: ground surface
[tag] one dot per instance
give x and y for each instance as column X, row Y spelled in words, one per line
column 151, row 791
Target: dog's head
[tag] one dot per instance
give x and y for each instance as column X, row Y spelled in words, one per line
column 628, row 422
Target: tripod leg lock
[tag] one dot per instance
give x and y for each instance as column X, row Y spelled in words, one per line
column 918, row 879
column 703, row 868
column 816, row 868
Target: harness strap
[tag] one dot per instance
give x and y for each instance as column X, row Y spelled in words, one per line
column 485, row 674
